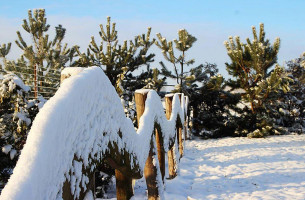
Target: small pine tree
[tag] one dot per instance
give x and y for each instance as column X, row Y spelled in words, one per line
column 118, row 60
column 250, row 66
column 42, row 61
column 184, row 42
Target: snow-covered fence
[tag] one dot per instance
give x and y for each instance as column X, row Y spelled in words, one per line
column 84, row 125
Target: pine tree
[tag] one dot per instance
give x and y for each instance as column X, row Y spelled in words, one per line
column 42, row 61
column 153, row 82
column 251, row 65
column 118, row 60
column 184, row 42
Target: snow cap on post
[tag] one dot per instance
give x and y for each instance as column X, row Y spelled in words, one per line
column 70, row 71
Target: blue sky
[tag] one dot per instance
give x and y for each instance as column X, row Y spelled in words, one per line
column 210, row 21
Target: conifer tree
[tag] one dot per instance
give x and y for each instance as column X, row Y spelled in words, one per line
column 153, row 81
column 117, row 60
column 184, row 42
column 251, row 64
column 42, row 60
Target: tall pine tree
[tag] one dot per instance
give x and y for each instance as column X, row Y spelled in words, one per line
column 251, row 66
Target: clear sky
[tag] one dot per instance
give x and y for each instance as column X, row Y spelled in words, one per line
column 212, row 22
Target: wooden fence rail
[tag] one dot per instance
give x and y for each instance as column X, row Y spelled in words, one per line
column 98, row 132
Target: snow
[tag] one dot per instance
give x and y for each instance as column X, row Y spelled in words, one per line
column 169, row 95
column 13, row 81
column 67, row 135
column 89, row 196
column 13, row 153
column 72, row 71
column 238, row 168
column 7, row 148
column 142, row 91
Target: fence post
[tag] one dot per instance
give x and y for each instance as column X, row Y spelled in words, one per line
column 179, row 129
column 124, row 187
column 159, row 139
column 124, row 183
column 186, row 119
column 150, row 170
column 172, row 163
column 161, row 152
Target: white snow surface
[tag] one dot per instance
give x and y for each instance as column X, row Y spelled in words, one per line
column 270, row 168
column 142, row 91
column 71, row 124
column 7, row 148
column 13, row 80
column 72, row 71
column 89, row 196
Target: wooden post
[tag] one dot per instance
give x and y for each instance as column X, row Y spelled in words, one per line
column 124, row 188
column 185, row 121
column 161, row 153
column 140, row 106
column 172, row 164
column 150, row 170
column 180, row 141
column 150, row 173
column 179, row 134
column 140, row 99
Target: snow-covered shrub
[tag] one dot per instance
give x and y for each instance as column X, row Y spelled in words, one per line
column 289, row 109
column 17, row 114
column 211, row 104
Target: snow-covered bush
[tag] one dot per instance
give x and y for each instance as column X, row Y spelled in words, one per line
column 17, row 114
column 288, row 110
column 211, row 103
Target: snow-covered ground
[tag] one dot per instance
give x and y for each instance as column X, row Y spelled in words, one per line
column 239, row 168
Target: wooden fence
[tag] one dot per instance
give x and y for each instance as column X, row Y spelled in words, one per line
column 118, row 149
